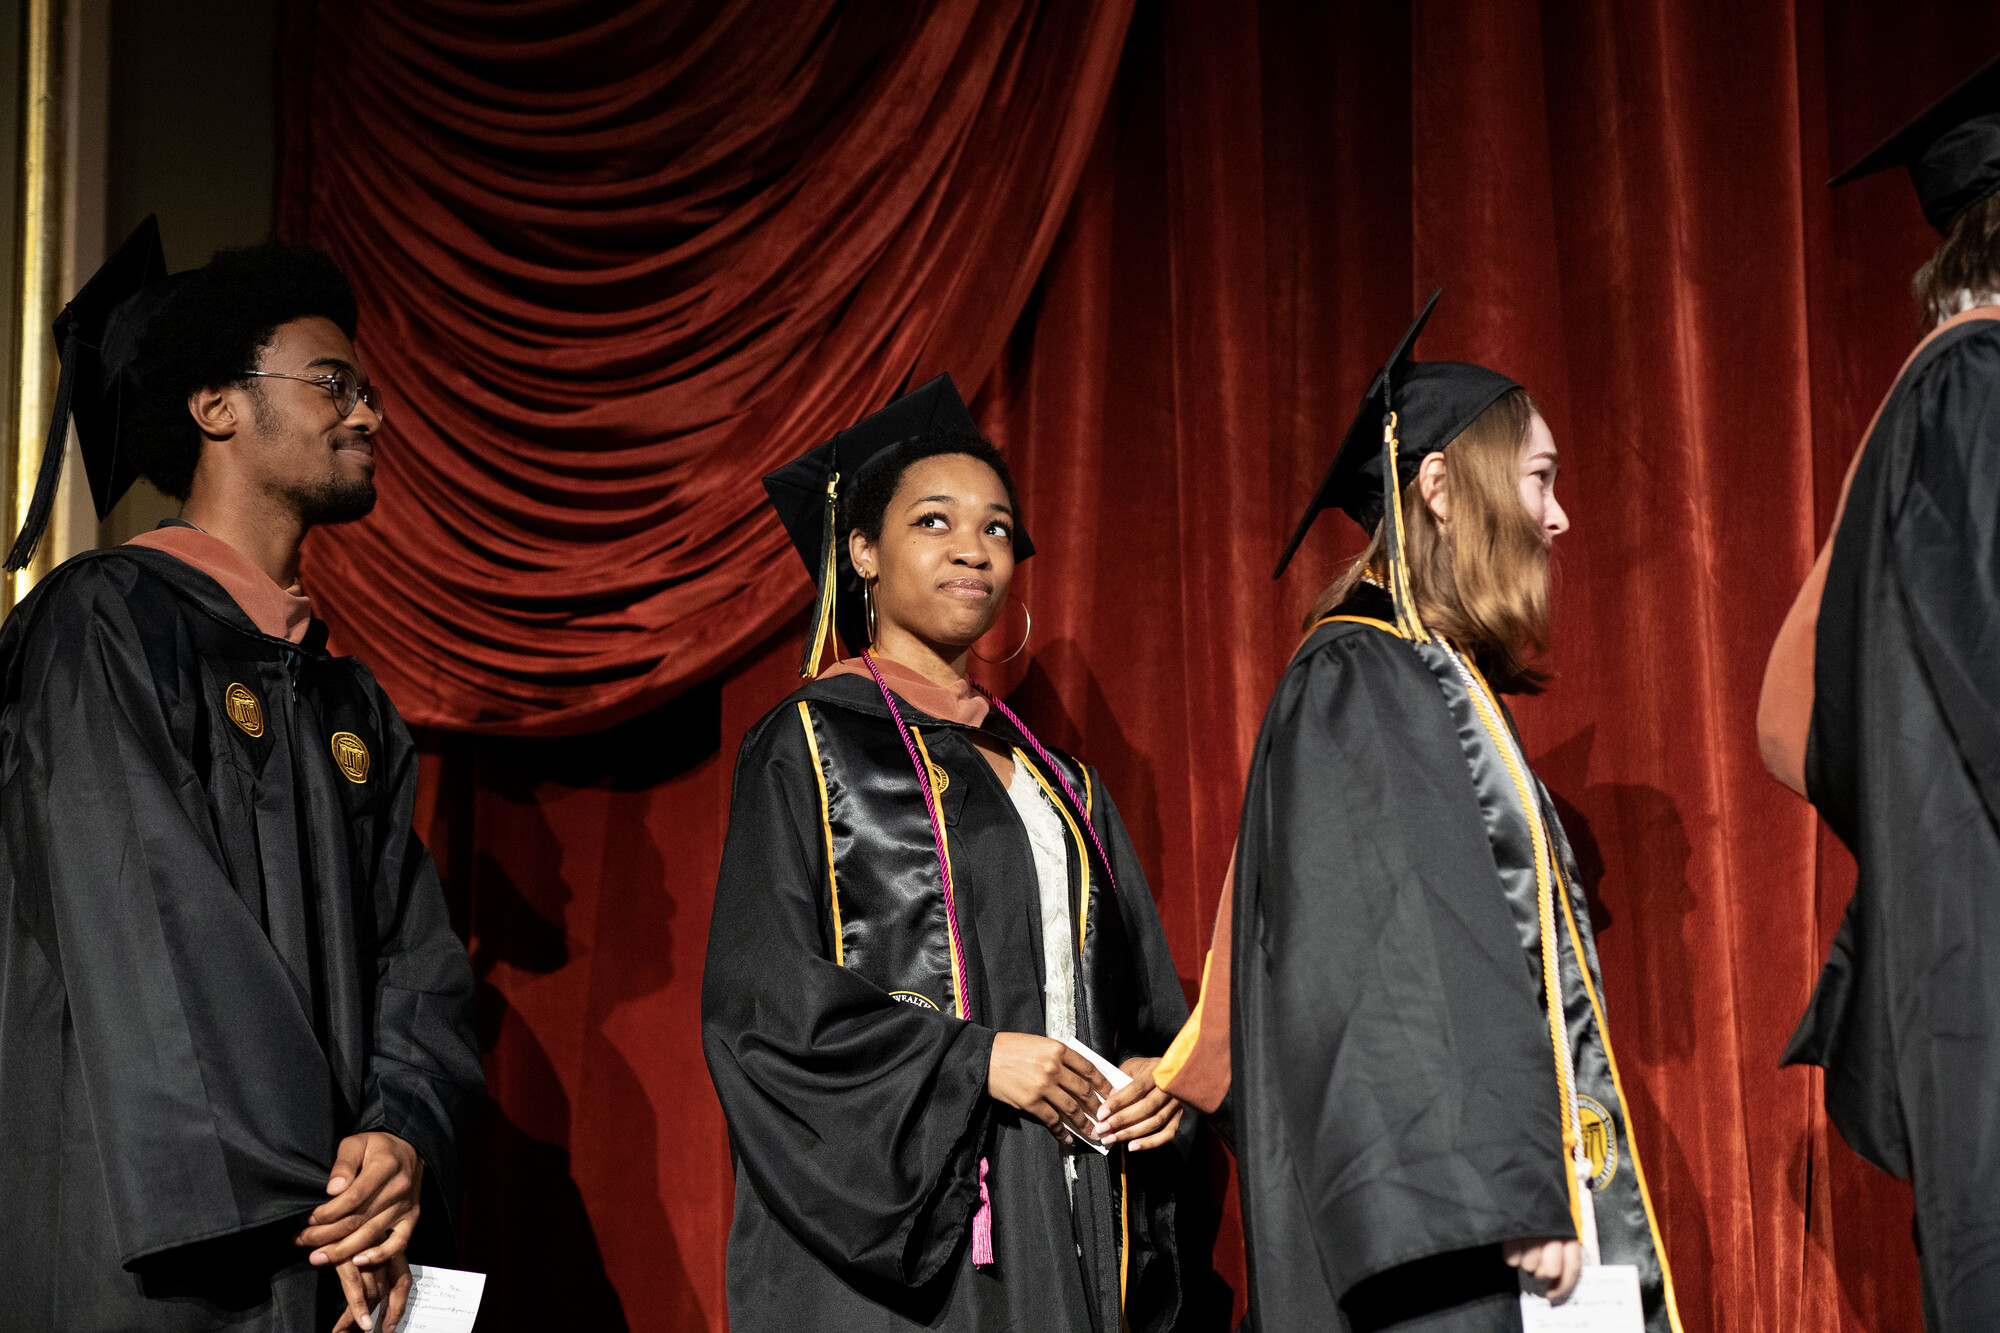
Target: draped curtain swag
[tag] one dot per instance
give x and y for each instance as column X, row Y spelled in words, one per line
column 617, row 262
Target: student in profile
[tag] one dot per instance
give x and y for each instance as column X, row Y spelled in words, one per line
column 1424, row 1100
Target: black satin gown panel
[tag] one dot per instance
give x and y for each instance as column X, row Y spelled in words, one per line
column 222, row 953
column 1903, row 761
column 885, row 883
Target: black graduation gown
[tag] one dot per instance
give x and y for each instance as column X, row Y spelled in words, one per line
column 221, row 951
column 1903, row 761
column 858, row 1116
column 1396, row 1103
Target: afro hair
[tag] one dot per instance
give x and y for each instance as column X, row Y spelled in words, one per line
column 210, row 335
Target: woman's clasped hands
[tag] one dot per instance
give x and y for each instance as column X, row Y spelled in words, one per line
column 1061, row 1088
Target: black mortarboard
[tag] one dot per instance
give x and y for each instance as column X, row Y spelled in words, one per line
column 1434, row 401
column 97, row 338
column 1952, row 150
column 810, row 492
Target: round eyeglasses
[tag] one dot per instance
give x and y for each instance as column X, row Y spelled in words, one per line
column 343, row 385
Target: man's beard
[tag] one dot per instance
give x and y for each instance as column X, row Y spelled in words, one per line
column 334, row 500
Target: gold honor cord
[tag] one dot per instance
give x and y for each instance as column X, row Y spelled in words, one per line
column 1632, row 1139
column 1075, row 836
column 826, row 826
column 1407, row 619
column 821, row 627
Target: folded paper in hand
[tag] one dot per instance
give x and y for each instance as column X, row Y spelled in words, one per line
column 442, row 1300
column 1113, row 1075
column 1606, row 1300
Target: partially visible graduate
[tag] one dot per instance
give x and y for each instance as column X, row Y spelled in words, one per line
column 1407, row 1014
column 236, row 1048
column 1881, row 705
column 917, row 900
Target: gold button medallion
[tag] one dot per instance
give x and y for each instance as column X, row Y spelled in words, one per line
column 1600, row 1140
column 244, row 710
column 351, row 755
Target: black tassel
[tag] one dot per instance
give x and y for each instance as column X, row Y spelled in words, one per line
column 49, row 479
column 820, row 627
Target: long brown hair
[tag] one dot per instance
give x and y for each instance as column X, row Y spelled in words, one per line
column 1481, row 581
column 1967, row 264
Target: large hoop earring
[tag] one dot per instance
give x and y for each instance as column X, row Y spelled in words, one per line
column 1028, row 630
column 868, row 601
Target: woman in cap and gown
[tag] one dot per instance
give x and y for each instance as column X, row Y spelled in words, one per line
column 917, row 902
column 1403, row 1004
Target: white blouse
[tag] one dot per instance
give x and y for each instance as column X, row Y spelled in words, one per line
column 1045, row 836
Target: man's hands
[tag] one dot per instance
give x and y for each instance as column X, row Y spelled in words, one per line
column 376, row 1184
column 1046, row 1079
column 1556, row 1262
column 1141, row 1114
column 364, row 1289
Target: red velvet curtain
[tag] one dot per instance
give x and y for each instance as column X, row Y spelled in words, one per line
column 1625, row 206
column 619, row 261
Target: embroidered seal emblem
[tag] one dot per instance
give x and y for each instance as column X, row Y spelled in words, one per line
column 1600, row 1140
column 940, row 780
column 244, row 710
column 351, row 755
column 911, row 997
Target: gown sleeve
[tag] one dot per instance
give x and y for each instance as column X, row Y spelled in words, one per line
column 1394, row 1098
column 1785, row 702
column 1196, row 1067
column 1947, row 549
column 424, row 1079
column 179, row 1006
column 859, row 1119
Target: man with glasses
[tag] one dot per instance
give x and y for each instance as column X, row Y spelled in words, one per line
column 235, row 1039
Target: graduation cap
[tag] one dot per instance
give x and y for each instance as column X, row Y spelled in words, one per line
column 97, row 337
column 811, row 494
column 1952, row 150
column 1412, row 409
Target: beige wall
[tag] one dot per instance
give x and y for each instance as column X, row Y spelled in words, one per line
column 64, row 67
column 10, row 167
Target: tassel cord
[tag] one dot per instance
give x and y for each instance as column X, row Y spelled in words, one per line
column 49, row 478
column 820, row 628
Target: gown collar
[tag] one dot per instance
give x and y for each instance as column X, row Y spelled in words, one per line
column 959, row 703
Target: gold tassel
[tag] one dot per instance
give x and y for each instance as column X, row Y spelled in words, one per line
column 1408, row 622
column 820, row 628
